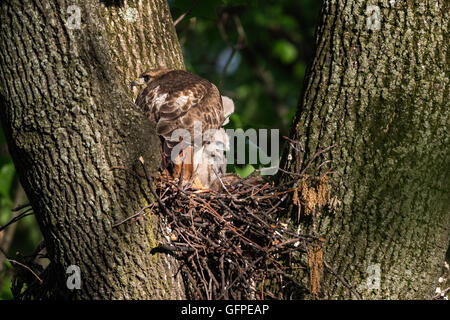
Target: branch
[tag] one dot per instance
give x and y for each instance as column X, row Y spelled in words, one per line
column 17, row 218
column 340, row 278
column 133, row 216
column 21, row 264
column 186, row 13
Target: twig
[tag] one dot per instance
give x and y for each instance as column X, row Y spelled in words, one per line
column 21, row 207
column 221, row 182
column 152, row 189
column 240, row 43
column 126, row 169
column 17, row 218
column 340, row 278
column 186, row 13
column 227, row 64
column 133, row 216
column 318, row 153
column 441, row 294
column 21, row 264
column 181, row 177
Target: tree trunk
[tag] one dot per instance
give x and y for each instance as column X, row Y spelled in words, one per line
column 68, row 115
column 380, row 93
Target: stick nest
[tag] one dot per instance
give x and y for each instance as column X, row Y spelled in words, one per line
column 231, row 244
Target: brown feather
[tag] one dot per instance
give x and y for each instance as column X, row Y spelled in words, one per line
column 175, row 99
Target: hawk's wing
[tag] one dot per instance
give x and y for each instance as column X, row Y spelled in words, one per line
column 176, row 100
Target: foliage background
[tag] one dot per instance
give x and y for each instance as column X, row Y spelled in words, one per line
column 255, row 51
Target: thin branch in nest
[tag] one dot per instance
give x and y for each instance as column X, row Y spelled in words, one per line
column 293, row 143
column 292, row 174
column 315, row 156
column 167, row 247
column 137, row 214
column 221, row 182
column 180, row 178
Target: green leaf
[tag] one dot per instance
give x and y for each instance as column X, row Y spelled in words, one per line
column 245, row 171
column 285, row 51
column 7, row 173
column 5, row 292
column 242, row 92
column 236, row 121
column 5, row 210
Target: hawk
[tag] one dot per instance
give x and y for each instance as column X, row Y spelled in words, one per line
column 177, row 99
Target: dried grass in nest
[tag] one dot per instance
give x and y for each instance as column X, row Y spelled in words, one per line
column 230, row 242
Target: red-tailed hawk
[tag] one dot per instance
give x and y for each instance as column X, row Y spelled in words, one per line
column 177, row 99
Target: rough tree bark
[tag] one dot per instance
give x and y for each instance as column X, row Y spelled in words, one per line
column 381, row 95
column 68, row 115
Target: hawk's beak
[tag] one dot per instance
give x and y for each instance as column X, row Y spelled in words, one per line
column 137, row 82
column 133, row 84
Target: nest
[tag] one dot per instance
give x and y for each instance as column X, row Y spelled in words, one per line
column 230, row 243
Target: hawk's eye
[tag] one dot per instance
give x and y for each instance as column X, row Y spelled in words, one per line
column 144, row 78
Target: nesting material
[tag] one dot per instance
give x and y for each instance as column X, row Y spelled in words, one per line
column 230, row 243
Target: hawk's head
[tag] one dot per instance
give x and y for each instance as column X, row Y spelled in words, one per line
column 228, row 109
column 153, row 74
column 210, row 161
column 149, row 76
